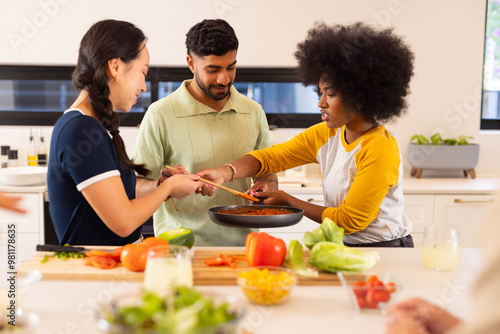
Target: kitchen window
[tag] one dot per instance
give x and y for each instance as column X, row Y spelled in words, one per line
column 490, row 109
column 37, row 95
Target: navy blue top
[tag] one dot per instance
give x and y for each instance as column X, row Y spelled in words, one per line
column 82, row 153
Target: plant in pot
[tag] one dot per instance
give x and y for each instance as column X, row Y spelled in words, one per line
column 437, row 153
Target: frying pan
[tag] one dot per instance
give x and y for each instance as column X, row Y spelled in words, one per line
column 234, row 220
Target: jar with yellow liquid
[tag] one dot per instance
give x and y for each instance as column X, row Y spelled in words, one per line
column 441, row 247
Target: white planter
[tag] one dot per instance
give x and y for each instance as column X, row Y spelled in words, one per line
column 463, row 157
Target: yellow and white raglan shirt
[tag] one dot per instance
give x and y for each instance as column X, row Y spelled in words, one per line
column 362, row 181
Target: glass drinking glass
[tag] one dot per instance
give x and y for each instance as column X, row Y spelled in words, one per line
column 441, row 248
column 168, row 266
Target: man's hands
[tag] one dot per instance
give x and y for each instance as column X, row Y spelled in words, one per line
column 217, row 175
column 168, row 172
column 182, row 185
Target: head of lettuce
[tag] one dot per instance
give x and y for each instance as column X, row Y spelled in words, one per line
column 329, row 253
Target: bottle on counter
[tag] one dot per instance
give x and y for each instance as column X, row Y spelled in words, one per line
column 4, row 156
column 32, row 154
column 42, row 152
column 13, row 159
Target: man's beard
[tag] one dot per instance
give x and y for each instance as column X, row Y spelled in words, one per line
column 207, row 92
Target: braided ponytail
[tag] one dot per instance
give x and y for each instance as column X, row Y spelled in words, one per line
column 107, row 40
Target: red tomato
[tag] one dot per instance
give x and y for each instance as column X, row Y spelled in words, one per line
column 117, row 253
column 372, row 278
column 361, row 302
column 382, row 296
column 133, row 257
column 359, row 289
column 264, row 250
column 374, row 284
column 102, row 262
column 390, row 287
column 96, row 252
column 371, row 302
column 151, row 242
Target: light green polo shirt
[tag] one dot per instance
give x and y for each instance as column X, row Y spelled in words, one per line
column 178, row 129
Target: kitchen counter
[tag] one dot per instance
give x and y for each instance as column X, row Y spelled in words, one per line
column 69, row 306
column 411, row 186
column 23, row 189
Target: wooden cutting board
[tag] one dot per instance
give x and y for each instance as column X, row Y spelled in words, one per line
column 75, row 269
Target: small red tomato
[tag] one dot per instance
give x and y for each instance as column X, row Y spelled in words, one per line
column 359, row 289
column 103, row 262
column 133, row 257
column 372, row 278
column 151, row 242
column 382, row 296
column 117, row 253
column 361, row 302
column 371, row 302
column 390, row 287
column 374, row 284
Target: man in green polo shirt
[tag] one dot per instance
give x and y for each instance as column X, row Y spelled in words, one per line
column 203, row 124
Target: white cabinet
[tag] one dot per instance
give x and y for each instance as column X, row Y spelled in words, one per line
column 420, row 211
column 465, row 211
column 29, row 227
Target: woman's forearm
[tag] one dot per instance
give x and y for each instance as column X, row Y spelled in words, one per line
column 246, row 166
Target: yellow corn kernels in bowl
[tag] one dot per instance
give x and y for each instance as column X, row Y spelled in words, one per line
column 267, row 285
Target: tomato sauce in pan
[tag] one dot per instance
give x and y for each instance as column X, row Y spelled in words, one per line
column 256, row 211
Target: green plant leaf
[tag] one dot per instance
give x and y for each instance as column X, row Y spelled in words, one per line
column 462, row 140
column 436, row 139
column 420, row 140
column 450, row 141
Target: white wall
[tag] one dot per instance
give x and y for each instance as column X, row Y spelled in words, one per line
column 447, row 37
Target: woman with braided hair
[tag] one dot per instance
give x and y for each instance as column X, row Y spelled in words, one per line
column 91, row 180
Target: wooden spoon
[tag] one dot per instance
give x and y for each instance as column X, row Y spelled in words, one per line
column 232, row 191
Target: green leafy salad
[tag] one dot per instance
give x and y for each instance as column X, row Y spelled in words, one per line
column 327, row 252
column 185, row 311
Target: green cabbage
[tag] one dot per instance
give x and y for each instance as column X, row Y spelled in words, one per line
column 334, row 257
column 295, row 261
column 332, row 231
column 327, row 231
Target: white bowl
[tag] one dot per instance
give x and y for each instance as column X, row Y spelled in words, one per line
column 23, row 176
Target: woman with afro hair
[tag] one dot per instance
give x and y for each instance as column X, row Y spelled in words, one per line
column 362, row 75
